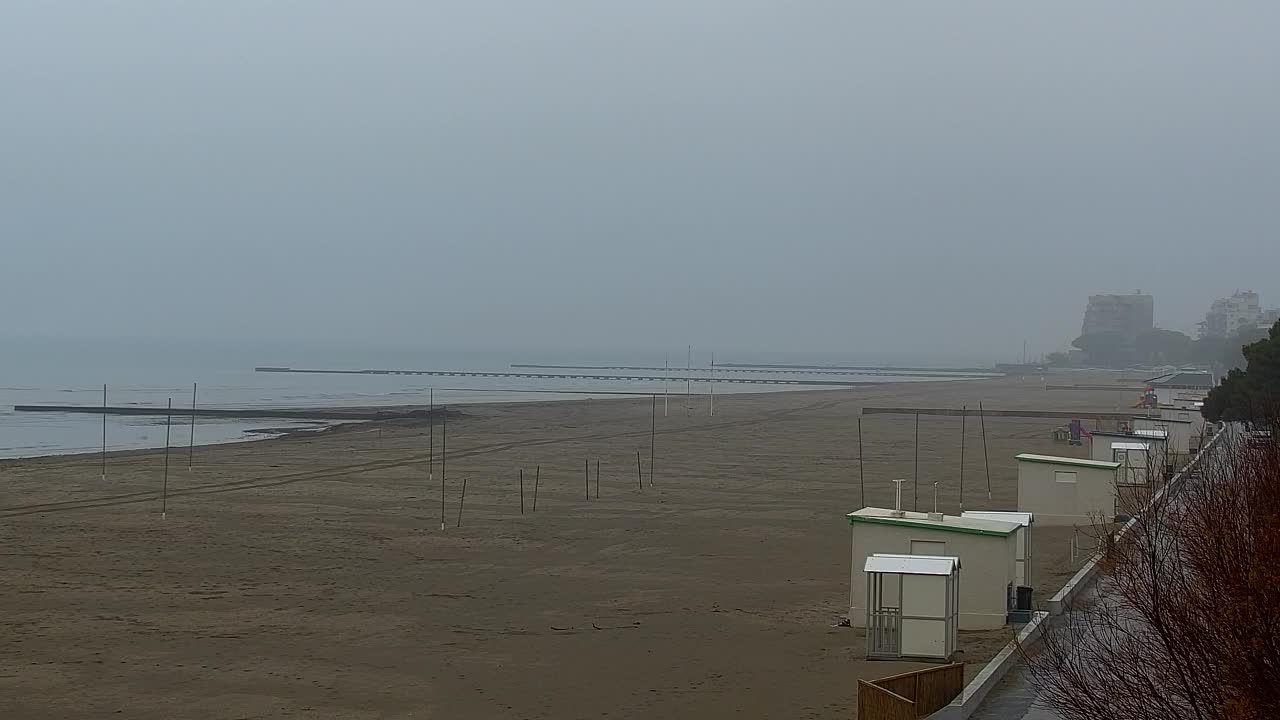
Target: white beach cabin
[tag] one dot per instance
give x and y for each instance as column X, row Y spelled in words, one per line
column 986, row 548
column 1191, row 415
column 913, row 606
column 1135, row 462
column 1100, row 447
column 1022, row 561
column 1067, row 491
column 1179, row 432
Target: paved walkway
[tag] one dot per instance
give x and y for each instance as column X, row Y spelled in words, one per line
column 1014, row 699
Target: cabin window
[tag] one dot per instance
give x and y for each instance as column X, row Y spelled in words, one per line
column 1064, row 477
column 928, row 547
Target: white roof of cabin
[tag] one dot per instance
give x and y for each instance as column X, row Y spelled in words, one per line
column 1158, row 434
column 1022, row 518
column 912, row 564
column 948, row 523
column 1077, row 462
column 1129, row 446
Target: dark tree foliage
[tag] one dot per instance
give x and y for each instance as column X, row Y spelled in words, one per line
column 1250, row 395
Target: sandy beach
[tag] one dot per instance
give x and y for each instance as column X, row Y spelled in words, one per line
column 308, row 576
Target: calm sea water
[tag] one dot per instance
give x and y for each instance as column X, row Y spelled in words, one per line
column 149, row 373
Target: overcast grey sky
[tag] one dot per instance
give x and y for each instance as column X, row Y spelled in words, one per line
column 736, row 174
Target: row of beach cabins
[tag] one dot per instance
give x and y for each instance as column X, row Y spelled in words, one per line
column 906, row 585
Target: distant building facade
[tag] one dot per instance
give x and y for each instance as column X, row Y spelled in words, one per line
column 1228, row 316
column 1128, row 315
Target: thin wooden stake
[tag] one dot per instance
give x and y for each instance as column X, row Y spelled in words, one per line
column 639, row 473
column 537, row 479
column 431, row 439
column 964, row 414
column 597, row 479
column 986, row 460
column 462, row 500
column 688, row 379
column 862, row 480
column 653, row 435
column 586, row 476
column 444, row 456
column 521, row 491
column 104, row 431
column 915, row 504
column 191, row 445
column 711, row 384
column 164, row 493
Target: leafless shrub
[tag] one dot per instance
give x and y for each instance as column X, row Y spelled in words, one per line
column 1185, row 621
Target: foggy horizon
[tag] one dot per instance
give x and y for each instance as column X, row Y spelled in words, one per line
column 814, row 177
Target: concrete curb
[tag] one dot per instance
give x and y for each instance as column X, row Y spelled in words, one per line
column 976, row 691
column 1076, row 585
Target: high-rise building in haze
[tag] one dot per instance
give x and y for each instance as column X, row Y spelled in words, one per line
column 1128, row 315
column 1228, row 316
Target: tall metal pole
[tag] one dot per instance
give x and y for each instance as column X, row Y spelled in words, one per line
column 666, row 373
column 191, row 445
column 915, row 504
column 164, row 493
column 431, row 437
column 444, row 456
column 688, row 378
column 862, row 480
column 964, row 413
column 711, row 384
column 986, row 460
column 104, row 431
column 653, row 434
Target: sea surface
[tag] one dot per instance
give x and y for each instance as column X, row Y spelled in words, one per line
column 151, row 373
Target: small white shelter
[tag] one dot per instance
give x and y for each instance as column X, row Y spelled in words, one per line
column 1155, row 440
column 1135, row 462
column 1022, row 560
column 1191, row 415
column 987, row 548
column 913, row 606
column 1179, row 432
column 1065, row 490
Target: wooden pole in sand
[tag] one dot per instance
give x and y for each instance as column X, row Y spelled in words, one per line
column 444, row 455
column 666, row 372
column 964, row 413
column 191, row 445
column 431, row 437
column 639, row 473
column 586, row 476
column 653, row 434
column 521, row 490
column 164, row 492
column 104, row 431
column 462, row 500
column 711, row 384
column 862, row 481
column 597, row 479
column 986, row 460
column 688, row 379
column 915, row 503
column 537, row 479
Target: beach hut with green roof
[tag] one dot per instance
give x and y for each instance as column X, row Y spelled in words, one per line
column 1067, row 490
column 987, row 549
